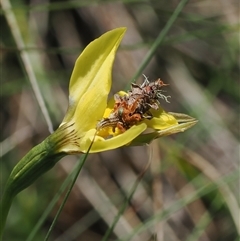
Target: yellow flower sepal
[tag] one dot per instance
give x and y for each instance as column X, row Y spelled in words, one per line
column 101, row 144
column 91, row 81
column 183, row 122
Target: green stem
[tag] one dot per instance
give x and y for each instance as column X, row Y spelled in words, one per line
column 5, row 205
column 36, row 162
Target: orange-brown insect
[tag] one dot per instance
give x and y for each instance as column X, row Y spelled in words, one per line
column 135, row 105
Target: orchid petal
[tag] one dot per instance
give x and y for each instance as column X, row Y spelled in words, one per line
column 188, row 122
column 161, row 120
column 101, row 144
column 91, row 81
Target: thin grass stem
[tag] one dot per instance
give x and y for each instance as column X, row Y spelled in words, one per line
column 125, row 204
column 13, row 24
column 158, row 41
column 181, row 203
column 203, row 222
column 79, row 168
column 52, row 203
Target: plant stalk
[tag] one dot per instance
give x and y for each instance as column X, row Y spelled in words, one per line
column 35, row 163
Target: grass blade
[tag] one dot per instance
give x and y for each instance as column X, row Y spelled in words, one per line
column 158, row 41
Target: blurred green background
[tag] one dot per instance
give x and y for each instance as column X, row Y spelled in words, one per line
column 191, row 189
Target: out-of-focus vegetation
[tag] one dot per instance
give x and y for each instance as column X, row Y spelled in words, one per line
column 191, row 189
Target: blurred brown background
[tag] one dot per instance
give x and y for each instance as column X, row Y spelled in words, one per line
column 199, row 58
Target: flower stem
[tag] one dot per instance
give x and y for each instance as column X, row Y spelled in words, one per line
column 36, row 162
column 5, row 205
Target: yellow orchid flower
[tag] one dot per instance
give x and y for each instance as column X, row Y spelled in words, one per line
column 89, row 87
column 88, row 94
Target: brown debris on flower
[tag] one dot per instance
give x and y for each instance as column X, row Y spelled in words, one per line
column 135, row 106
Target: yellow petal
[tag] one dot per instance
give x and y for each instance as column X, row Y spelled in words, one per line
column 91, row 80
column 161, row 120
column 187, row 122
column 100, row 144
